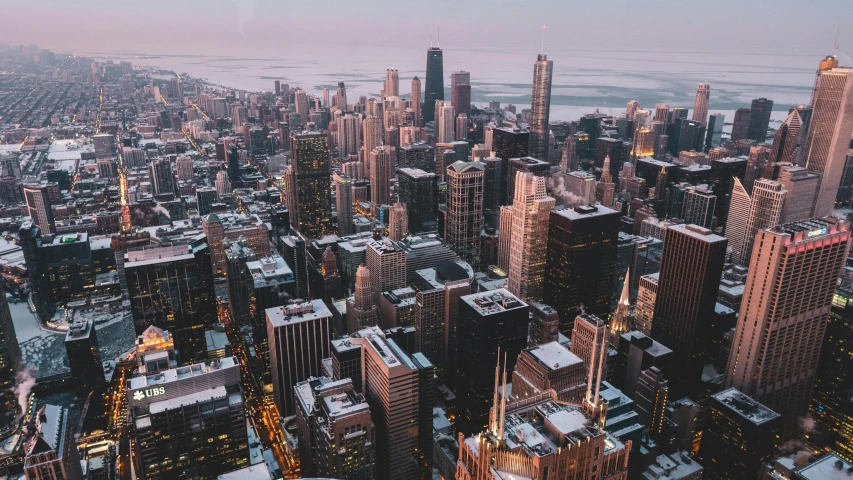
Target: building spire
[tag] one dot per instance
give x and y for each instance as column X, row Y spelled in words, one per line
column 438, row 36
column 503, row 403
column 493, row 415
column 542, row 48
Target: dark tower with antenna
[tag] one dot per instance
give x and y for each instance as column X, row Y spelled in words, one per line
column 434, row 84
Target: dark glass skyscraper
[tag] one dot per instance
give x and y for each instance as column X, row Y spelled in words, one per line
column 540, row 104
column 309, row 184
column 759, row 119
column 418, row 190
column 434, row 85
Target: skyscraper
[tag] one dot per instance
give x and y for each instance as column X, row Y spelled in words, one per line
column 740, row 127
column 828, row 138
column 540, row 105
column 801, row 186
column 581, row 261
column 416, row 101
column 765, row 211
column 434, row 86
column 460, row 92
column 787, row 139
column 529, row 237
column 372, row 135
column 50, row 451
column 299, row 337
column 381, row 169
column 445, row 123
column 39, row 208
column 464, row 217
column 344, row 203
column 171, row 287
column 361, row 307
column 690, row 273
column 700, row 106
column 714, row 132
column 386, row 262
column 392, row 82
column 792, row 276
column 162, row 177
column 348, row 134
column 341, row 98
column 493, row 330
column 84, row 358
column 418, row 190
column 759, row 119
column 738, row 218
column 309, row 187
column 398, row 222
column 11, row 363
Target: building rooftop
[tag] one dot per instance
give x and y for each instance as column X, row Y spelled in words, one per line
column 675, row 466
column 494, row 301
column 746, row 407
column 585, row 211
column 698, row 232
column 254, row 472
column 554, row 356
column 193, row 398
column 180, row 373
column 298, row 312
column 415, row 172
column 269, row 271
column 384, row 247
column 828, row 467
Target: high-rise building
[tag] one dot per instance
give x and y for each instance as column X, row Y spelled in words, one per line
column 361, row 307
column 398, row 222
column 759, row 119
column 738, row 217
column 464, row 214
column 767, row 204
column 714, row 132
column 162, row 177
column 493, row 329
column 581, row 261
column 39, row 208
column 589, row 341
column 540, row 168
column 700, row 106
column 372, row 136
column 445, row 122
column 434, row 83
column 698, row 206
column 336, row 434
column 651, row 397
column 460, row 92
column 386, row 262
column 801, row 186
column 341, row 98
column 740, row 127
column 392, row 82
column 828, row 137
column 348, row 131
column 416, row 101
column 189, row 421
column 50, row 451
column 205, row 198
column 540, row 105
column 171, row 287
column 223, row 184
column 741, row 435
column 309, row 186
column 544, row 324
column 787, row 139
column 418, row 190
column 381, row 170
column 11, row 363
column 344, row 203
column 792, row 277
column 646, row 296
column 529, row 237
column 299, row 337
column 690, row 273
column 84, row 358
column 549, row 366
column 185, row 168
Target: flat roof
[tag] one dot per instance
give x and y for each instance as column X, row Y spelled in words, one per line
column 553, row 356
column 826, row 468
column 745, row 406
column 493, row 301
column 578, row 213
column 296, row 313
column 189, row 399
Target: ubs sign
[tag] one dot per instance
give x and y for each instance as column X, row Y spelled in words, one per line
column 148, row 393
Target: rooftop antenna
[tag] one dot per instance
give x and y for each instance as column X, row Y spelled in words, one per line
column 835, row 45
column 542, row 48
column 438, row 36
column 430, row 38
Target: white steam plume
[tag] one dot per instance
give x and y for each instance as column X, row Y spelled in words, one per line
column 24, row 383
column 557, row 186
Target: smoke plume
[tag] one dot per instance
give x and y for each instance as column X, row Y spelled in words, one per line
column 24, row 383
column 557, row 187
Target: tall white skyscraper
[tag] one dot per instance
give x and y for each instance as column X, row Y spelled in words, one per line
column 416, row 101
column 302, row 106
column 343, row 201
column 392, row 83
column 382, row 160
column 540, row 104
column 349, row 134
column 765, row 211
column 700, row 106
column 372, row 131
column 223, row 183
column 185, row 168
column 445, row 122
column 738, row 218
column 828, row 139
column 632, row 107
column 531, row 209
column 398, row 222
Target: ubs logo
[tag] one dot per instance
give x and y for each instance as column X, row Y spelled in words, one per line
column 149, row 392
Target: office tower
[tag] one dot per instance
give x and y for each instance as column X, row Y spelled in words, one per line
column 434, row 83
column 828, row 137
column 277, row 89
column 631, row 109
column 741, row 435
column 581, row 261
column 549, row 366
column 11, row 363
column 460, row 91
column 30, row 240
column 372, row 130
column 418, row 190
column 205, row 198
column 493, row 329
column 223, row 184
column 828, row 63
column 580, row 189
column 386, row 262
column 162, row 178
column 787, row 139
column 635, row 353
column 50, row 450
column 714, row 132
column 553, row 425
column 336, row 436
column 540, row 168
column 348, row 129
column 464, row 212
column 690, row 273
column 531, row 209
column 239, row 280
column 185, row 168
column 301, row 105
column 299, row 337
column 765, row 211
column 646, row 297
column 84, row 358
column 398, row 222
column 651, row 399
column 309, row 184
column 418, row 155
column 698, row 207
column 740, row 127
column 540, row 105
column 381, row 170
column 738, row 218
column 589, row 341
column 544, row 324
column 188, row 422
column 38, row 207
column 232, row 227
column 759, row 119
column 700, row 106
column 492, row 177
column 444, row 122
column 341, row 98
column 686, row 135
column 361, row 307
column 171, row 287
column 830, row 405
column 392, row 82
column 67, row 263
column 344, row 203
column 792, row 277
column 416, row 101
